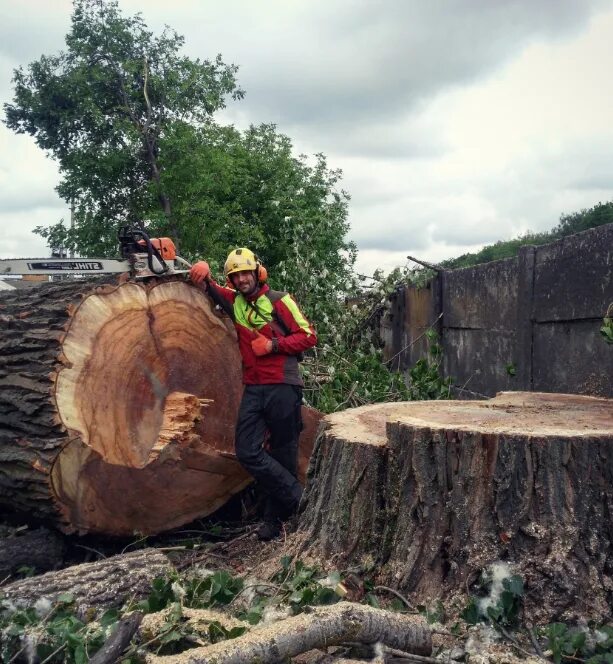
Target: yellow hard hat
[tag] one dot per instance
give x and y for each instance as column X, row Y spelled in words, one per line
column 239, row 260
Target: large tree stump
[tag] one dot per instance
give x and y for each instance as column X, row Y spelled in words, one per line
column 427, row 494
column 117, row 405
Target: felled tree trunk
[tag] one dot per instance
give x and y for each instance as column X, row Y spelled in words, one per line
column 117, row 405
column 101, row 585
column 431, row 493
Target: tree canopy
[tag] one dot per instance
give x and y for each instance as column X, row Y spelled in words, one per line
column 129, row 120
column 102, row 108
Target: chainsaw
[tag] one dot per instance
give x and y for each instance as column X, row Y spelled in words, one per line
column 141, row 256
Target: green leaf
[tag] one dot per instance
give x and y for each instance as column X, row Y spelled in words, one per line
column 372, row 600
column 109, row 617
column 470, row 613
column 14, row 630
column 577, row 641
column 171, row 636
column 236, row 632
column 254, row 615
column 80, row 655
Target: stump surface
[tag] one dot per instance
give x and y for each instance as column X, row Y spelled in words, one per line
column 523, row 413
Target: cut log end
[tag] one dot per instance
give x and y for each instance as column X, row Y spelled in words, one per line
column 118, row 406
column 126, row 356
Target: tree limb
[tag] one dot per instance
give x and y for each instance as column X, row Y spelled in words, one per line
column 431, row 266
column 325, row 626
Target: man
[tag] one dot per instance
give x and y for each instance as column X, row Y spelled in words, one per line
column 272, row 334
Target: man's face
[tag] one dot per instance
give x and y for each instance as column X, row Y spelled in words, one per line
column 244, row 281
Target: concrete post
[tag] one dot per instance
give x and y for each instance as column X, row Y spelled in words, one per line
column 525, row 317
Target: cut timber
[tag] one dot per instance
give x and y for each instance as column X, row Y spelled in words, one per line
column 101, row 585
column 322, row 627
column 431, row 493
column 117, row 405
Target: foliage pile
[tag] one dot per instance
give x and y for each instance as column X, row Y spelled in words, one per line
column 347, row 368
column 607, row 325
column 56, row 634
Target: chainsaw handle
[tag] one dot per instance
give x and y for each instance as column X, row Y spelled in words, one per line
column 131, row 240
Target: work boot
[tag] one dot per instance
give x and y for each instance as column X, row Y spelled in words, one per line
column 269, row 530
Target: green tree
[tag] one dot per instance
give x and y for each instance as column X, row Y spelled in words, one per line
column 102, row 108
column 233, row 188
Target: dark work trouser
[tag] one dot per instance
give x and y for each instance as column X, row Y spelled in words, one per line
column 276, row 409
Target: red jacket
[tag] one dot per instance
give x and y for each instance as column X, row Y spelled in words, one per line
column 275, row 315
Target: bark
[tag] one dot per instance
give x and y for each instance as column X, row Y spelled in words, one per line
column 101, row 585
column 117, row 405
column 431, row 493
column 325, row 626
column 118, row 641
column 41, row 549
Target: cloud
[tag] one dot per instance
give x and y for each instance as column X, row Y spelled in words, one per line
column 17, row 238
column 30, row 28
column 457, row 123
column 348, row 64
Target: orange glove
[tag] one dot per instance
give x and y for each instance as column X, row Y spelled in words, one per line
column 261, row 345
column 199, row 272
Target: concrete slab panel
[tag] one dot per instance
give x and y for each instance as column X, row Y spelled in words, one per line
column 573, row 278
column 572, row 357
column 482, row 297
column 477, row 359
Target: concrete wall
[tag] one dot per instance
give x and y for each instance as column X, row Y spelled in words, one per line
column 525, row 323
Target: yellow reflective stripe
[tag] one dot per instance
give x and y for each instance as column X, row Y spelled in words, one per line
column 247, row 316
column 296, row 313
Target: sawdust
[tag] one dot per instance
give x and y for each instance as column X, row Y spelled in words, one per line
column 199, row 619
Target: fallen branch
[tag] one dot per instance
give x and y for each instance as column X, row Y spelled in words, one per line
column 325, row 626
column 430, row 266
column 402, row 598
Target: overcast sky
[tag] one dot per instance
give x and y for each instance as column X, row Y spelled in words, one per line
column 456, row 122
